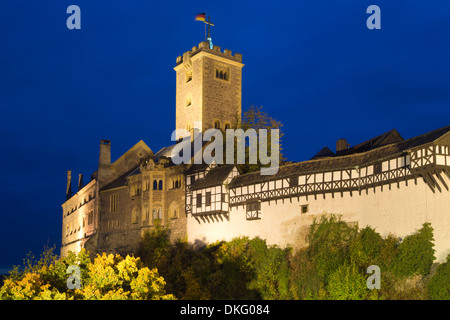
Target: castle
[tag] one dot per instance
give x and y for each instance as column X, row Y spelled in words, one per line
column 389, row 183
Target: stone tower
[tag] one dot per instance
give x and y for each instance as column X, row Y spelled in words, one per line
column 208, row 88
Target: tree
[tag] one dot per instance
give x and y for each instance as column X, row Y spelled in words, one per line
column 107, row 277
column 255, row 118
column 347, row 283
column 415, row 253
column 439, row 285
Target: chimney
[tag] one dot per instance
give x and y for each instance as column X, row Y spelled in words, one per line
column 69, row 184
column 105, row 152
column 341, row 145
column 80, row 181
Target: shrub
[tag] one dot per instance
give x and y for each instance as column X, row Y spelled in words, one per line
column 415, row 253
column 439, row 285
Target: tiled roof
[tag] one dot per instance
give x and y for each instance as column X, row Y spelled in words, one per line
column 341, row 162
column 216, row 176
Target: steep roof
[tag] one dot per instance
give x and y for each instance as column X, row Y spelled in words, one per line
column 216, row 176
column 121, row 180
column 386, row 138
column 324, row 152
column 342, row 162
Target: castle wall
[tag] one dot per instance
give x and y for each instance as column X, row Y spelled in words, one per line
column 79, row 219
column 400, row 210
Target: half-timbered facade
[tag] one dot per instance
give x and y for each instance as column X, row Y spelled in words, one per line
column 394, row 187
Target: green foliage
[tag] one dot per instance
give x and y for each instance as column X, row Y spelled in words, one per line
column 255, row 118
column 347, row 283
column 329, row 243
column 415, row 253
column 439, row 285
column 332, row 266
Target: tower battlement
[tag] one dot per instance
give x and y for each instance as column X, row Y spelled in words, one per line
column 204, row 46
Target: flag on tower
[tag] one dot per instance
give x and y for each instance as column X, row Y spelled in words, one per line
column 200, row 17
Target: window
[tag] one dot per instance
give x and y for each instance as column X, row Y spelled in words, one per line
column 157, row 213
column 114, row 203
column 304, row 208
column 160, row 185
column 188, row 101
column 217, row 124
column 227, row 126
column 90, row 217
column 155, row 185
column 147, row 213
column 377, row 168
column 192, row 179
column 208, row 199
column 134, row 215
column 188, row 76
column 293, row 181
column 160, row 213
column 222, row 74
column 222, row 197
column 253, row 209
column 199, row 200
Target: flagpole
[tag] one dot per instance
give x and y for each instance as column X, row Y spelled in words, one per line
column 205, row 26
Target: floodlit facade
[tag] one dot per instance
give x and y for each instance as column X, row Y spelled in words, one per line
column 389, row 183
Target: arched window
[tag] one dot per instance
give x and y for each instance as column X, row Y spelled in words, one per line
column 176, row 184
column 155, row 185
column 157, row 213
column 217, row 124
column 147, row 213
column 227, row 126
column 135, row 215
column 160, row 186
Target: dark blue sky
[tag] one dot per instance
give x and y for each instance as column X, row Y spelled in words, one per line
column 313, row 65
